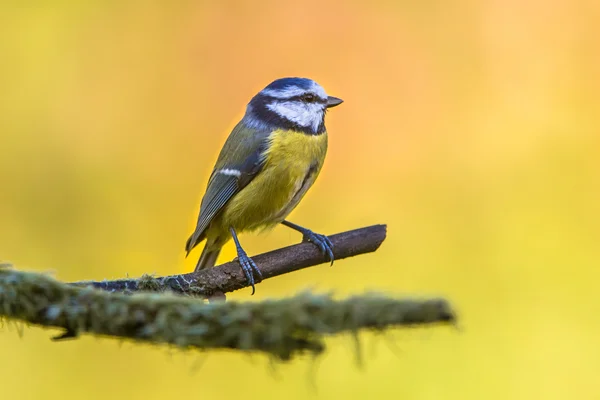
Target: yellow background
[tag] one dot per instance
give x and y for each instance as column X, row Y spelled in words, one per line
column 470, row 127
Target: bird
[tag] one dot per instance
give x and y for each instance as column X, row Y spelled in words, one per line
column 269, row 161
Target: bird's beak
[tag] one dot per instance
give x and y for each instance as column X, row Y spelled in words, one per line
column 333, row 101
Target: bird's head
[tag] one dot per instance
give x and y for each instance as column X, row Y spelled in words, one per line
column 291, row 103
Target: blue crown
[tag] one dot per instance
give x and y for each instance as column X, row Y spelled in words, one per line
column 302, row 83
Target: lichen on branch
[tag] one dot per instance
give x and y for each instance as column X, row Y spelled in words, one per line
column 229, row 277
column 282, row 328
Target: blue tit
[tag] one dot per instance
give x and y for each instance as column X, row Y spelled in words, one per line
column 267, row 164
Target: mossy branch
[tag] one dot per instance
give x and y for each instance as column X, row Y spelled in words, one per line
column 281, row 328
column 229, row 277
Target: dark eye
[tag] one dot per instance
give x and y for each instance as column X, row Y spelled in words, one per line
column 309, row 97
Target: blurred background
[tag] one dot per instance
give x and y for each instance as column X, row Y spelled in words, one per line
column 469, row 127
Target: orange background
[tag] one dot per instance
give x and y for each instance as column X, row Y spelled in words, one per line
column 470, row 127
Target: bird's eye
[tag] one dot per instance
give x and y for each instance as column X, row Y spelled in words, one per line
column 309, row 97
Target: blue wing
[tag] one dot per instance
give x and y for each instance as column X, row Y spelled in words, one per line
column 243, row 152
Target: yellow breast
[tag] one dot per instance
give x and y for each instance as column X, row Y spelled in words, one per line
column 296, row 149
column 292, row 163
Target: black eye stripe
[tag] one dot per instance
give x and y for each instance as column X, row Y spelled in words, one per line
column 260, row 111
column 317, row 99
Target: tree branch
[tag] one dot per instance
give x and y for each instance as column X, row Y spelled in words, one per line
column 280, row 328
column 229, row 277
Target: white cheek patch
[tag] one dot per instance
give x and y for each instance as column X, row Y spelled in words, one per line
column 303, row 114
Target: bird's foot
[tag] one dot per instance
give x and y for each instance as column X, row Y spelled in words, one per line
column 321, row 241
column 249, row 268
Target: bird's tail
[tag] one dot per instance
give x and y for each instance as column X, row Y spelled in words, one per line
column 209, row 255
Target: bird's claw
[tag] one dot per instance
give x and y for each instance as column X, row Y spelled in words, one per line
column 322, row 241
column 249, row 268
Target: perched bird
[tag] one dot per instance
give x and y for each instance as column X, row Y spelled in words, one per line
column 268, row 162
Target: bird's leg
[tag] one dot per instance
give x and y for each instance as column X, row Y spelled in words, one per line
column 248, row 266
column 321, row 241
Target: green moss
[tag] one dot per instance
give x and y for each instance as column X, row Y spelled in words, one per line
column 147, row 283
column 282, row 328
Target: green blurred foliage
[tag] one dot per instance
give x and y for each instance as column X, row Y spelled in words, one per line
column 470, row 128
